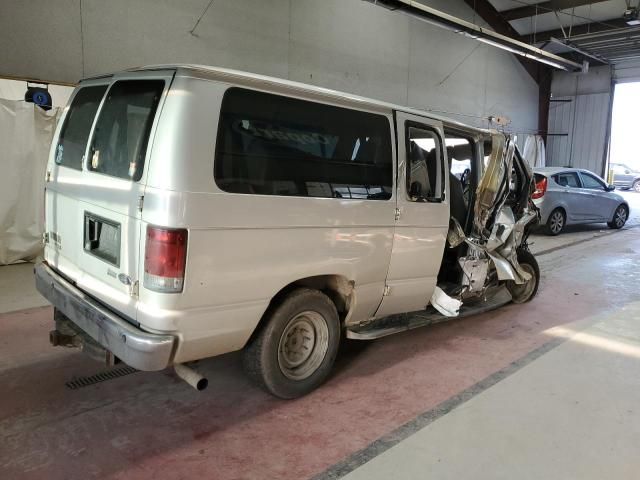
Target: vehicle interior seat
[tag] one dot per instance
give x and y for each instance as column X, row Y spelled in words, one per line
column 456, row 200
column 418, row 171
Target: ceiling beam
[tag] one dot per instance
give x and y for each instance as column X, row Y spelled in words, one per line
column 585, row 28
column 543, row 7
column 489, row 14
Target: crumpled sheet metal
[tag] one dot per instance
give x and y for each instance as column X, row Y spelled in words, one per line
column 493, row 187
column 505, row 254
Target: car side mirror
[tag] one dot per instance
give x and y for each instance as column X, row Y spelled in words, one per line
column 415, row 190
column 627, row 172
column 610, row 188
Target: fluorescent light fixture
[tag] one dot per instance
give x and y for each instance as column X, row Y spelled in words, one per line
column 470, row 30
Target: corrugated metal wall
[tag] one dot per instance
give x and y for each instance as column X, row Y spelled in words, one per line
column 584, row 119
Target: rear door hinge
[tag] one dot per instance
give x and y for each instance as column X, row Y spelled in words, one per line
column 45, row 238
column 397, row 214
column 387, row 291
column 140, row 202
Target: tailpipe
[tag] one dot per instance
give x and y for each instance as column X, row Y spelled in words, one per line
column 190, row 376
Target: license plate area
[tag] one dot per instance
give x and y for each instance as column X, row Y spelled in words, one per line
column 102, row 238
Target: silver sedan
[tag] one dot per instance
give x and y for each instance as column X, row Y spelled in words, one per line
column 570, row 196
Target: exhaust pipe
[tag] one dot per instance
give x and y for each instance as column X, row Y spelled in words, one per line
column 190, row 376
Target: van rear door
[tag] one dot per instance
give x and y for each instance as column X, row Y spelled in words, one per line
column 96, row 182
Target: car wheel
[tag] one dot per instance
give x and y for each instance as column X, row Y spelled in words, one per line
column 636, row 186
column 525, row 292
column 556, row 221
column 295, row 349
column 619, row 217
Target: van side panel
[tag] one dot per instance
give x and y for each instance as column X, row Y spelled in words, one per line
column 243, row 249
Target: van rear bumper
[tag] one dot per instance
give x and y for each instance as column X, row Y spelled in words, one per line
column 135, row 347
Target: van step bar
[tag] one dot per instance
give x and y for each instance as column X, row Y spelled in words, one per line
column 408, row 321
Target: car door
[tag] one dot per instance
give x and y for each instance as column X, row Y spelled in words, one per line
column 596, row 203
column 422, row 215
column 570, row 195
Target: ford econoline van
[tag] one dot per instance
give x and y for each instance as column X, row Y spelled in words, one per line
column 194, row 211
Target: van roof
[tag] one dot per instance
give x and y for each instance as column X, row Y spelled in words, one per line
column 253, row 79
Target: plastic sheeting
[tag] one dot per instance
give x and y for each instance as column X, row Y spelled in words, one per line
column 26, row 132
column 534, row 152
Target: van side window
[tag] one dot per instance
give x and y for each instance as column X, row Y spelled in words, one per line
column 74, row 134
column 425, row 165
column 120, row 139
column 273, row 145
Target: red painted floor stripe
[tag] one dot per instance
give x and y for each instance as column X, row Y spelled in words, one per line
column 152, row 425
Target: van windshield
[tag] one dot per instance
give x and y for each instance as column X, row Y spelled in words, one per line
column 120, row 139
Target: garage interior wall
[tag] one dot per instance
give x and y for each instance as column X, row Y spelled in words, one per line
column 579, row 119
column 348, row 45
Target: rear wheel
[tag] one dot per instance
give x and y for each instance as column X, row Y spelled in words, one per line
column 522, row 293
column 636, row 186
column 556, row 221
column 619, row 217
column 295, row 349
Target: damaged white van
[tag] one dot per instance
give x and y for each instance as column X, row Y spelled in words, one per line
column 194, row 211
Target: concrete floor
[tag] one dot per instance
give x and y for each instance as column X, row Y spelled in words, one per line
column 543, row 390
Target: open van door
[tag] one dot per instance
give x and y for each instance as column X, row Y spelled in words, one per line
column 422, row 215
column 96, row 177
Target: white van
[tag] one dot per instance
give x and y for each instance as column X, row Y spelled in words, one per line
column 194, row 211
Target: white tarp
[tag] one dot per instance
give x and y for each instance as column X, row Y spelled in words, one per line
column 534, row 151
column 25, row 136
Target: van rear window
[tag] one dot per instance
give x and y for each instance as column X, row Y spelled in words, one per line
column 274, row 145
column 74, row 134
column 120, row 139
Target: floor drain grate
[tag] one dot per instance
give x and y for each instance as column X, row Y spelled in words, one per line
column 100, row 377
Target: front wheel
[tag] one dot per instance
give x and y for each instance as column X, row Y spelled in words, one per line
column 619, row 217
column 636, row 186
column 524, row 292
column 295, row 349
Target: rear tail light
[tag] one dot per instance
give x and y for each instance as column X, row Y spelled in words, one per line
column 541, row 188
column 165, row 258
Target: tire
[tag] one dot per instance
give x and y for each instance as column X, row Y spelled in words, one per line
column 636, row 186
column 620, row 217
column 276, row 357
column 556, row 222
column 525, row 292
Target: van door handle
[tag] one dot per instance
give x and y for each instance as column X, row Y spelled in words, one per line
column 91, row 233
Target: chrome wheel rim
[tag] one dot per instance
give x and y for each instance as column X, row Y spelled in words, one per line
column 303, row 345
column 621, row 217
column 522, row 293
column 556, row 222
column 636, row 186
